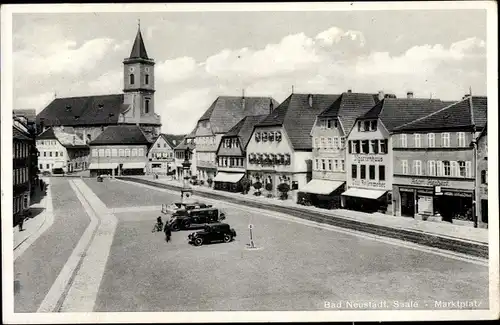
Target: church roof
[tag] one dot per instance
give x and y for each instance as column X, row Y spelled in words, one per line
column 138, row 50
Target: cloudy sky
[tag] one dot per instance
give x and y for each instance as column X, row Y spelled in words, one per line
column 201, row 55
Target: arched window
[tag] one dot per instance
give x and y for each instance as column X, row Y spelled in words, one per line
column 132, row 79
column 146, row 106
column 146, row 79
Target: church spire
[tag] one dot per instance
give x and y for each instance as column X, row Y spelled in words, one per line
column 138, row 50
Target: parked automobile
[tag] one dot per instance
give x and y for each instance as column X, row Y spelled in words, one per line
column 212, row 233
column 185, row 219
column 186, row 206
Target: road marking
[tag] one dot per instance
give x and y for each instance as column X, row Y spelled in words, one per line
column 50, row 302
column 83, row 292
column 49, row 221
column 386, row 240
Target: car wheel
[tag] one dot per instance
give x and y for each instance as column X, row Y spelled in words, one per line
column 186, row 225
column 198, row 242
column 227, row 238
column 175, row 227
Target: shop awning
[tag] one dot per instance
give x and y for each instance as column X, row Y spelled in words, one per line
column 103, row 165
column 320, row 186
column 364, row 193
column 228, row 177
column 134, row 165
column 58, row 164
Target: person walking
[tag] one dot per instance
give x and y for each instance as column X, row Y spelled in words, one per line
column 168, row 232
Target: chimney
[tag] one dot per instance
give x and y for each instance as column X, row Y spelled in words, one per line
column 409, row 94
column 271, row 106
column 310, row 100
column 465, row 96
column 74, row 139
column 380, row 94
column 349, row 91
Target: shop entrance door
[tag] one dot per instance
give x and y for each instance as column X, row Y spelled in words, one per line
column 407, row 204
column 484, row 211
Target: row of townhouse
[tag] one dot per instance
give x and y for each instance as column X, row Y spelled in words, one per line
column 353, row 150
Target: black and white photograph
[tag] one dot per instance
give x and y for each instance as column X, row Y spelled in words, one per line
column 225, row 162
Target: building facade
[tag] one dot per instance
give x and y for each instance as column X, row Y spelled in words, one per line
column 329, row 135
column 61, row 150
column 180, row 155
column 434, row 173
column 119, row 150
column 90, row 115
column 161, row 155
column 231, row 155
column 224, row 113
column 23, row 174
column 482, row 178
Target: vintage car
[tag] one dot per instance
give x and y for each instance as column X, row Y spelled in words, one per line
column 186, row 206
column 216, row 232
column 185, row 219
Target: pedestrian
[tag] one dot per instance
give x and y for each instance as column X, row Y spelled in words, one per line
column 21, row 222
column 168, row 232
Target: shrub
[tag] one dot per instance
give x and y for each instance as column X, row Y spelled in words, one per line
column 202, row 182
column 269, row 187
column 284, row 188
column 245, row 184
column 257, row 186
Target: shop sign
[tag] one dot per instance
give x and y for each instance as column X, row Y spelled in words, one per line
column 429, row 182
column 366, row 183
column 367, row 158
column 425, row 191
column 404, row 189
column 459, row 194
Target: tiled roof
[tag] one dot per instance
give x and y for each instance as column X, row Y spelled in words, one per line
column 480, row 107
column 138, row 49
column 295, row 115
column 69, row 138
column 184, row 145
column 460, row 114
column 85, row 110
column 172, row 139
column 244, row 129
column 29, row 114
column 47, row 134
column 394, row 112
column 349, row 107
column 226, row 111
column 18, row 135
column 121, row 134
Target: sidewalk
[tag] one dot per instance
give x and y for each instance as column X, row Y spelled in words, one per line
column 39, row 214
column 441, row 229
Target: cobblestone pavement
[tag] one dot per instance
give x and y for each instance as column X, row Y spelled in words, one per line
column 297, row 267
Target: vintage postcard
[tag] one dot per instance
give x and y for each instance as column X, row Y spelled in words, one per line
column 249, row 162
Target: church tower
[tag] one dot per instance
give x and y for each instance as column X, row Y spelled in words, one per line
column 139, row 88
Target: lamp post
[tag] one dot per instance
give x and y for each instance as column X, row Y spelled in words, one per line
column 186, row 191
column 474, row 171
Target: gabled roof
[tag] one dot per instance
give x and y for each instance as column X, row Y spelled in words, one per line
column 350, row 106
column 19, row 135
column 172, row 139
column 69, row 138
column 244, row 128
column 394, row 112
column 138, row 49
column 295, row 115
column 121, row 134
column 226, row 111
column 184, row 145
column 461, row 114
column 29, row 114
column 47, row 135
column 84, row 110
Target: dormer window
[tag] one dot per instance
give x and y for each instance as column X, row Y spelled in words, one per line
column 366, row 126
column 100, row 106
column 373, row 125
column 77, row 117
column 271, row 136
column 68, row 107
column 264, row 136
column 257, row 136
column 278, row 136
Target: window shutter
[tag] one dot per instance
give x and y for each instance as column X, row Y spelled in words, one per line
column 468, row 169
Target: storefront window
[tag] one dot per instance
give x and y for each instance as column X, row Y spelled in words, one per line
column 363, row 171
column 381, row 173
column 372, row 171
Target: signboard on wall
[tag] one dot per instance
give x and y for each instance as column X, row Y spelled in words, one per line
column 367, row 183
column 459, row 194
column 359, row 158
column 466, row 184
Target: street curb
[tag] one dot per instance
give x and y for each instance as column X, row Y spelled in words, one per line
column 418, row 237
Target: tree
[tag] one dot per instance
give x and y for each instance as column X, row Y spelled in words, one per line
column 209, row 182
column 257, row 186
column 245, row 184
column 284, row 188
column 269, row 188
